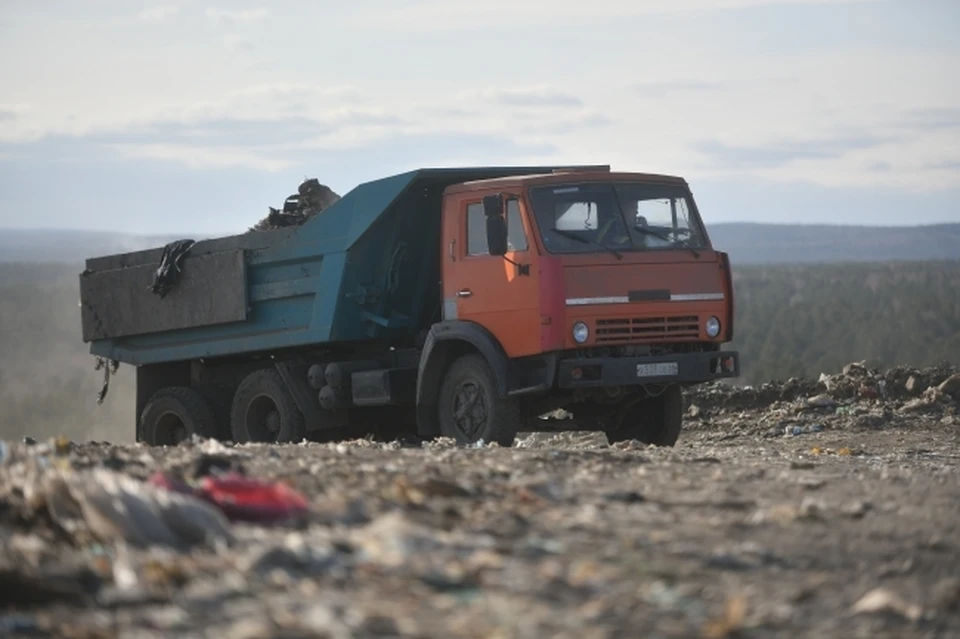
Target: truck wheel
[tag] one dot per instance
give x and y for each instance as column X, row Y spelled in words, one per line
column 470, row 409
column 655, row 420
column 174, row 414
column 264, row 410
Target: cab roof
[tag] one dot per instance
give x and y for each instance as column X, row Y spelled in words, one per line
column 559, row 176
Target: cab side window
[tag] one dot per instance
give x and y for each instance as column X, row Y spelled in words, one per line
column 516, row 238
column 477, row 229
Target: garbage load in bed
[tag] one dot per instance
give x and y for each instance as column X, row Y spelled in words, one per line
column 311, row 198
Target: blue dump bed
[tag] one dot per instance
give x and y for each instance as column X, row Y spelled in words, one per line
column 366, row 268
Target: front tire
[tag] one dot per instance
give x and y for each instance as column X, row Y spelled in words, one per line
column 655, row 420
column 470, row 408
column 175, row 414
column 264, row 410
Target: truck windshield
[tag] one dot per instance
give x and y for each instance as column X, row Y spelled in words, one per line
column 592, row 216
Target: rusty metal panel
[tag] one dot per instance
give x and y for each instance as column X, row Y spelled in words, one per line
column 212, row 289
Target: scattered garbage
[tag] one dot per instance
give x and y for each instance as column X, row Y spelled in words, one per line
column 803, row 430
column 857, row 509
column 216, row 538
column 859, row 398
column 115, row 507
column 24, row 587
column 821, row 401
column 109, row 368
column 951, row 386
column 883, row 600
column 729, row 623
column 946, row 594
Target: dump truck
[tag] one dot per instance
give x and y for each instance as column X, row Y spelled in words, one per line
column 471, row 303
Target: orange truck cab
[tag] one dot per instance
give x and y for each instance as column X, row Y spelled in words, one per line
column 591, row 291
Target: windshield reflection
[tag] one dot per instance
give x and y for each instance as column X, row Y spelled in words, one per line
column 591, row 216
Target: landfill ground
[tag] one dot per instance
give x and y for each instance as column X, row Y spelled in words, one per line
column 811, row 508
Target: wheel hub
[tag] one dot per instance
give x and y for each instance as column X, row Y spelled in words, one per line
column 272, row 422
column 179, row 434
column 171, row 431
column 264, row 422
column 470, row 409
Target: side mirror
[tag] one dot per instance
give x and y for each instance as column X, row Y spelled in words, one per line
column 493, row 204
column 496, row 224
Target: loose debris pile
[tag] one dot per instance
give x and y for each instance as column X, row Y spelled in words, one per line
column 858, row 398
column 849, row 530
column 311, row 198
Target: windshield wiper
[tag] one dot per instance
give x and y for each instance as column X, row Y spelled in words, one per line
column 684, row 243
column 584, row 240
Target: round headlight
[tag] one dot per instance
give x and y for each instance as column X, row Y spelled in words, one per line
column 580, row 332
column 713, row 327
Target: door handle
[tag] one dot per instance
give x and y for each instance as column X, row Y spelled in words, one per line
column 466, row 292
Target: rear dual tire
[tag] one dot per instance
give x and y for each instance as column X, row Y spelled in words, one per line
column 175, row 414
column 264, row 410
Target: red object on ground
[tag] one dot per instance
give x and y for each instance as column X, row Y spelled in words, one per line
column 245, row 499
column 240, row 498
column 171, row 483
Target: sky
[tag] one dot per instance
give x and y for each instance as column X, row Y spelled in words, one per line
column 195, row 116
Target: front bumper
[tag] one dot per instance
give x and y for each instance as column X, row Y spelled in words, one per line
column 688, row 368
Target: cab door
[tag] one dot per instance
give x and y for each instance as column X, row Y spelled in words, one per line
column 488, row 289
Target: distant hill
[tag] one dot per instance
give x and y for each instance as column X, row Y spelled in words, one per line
column 747, row 243
column 69, row 246
column 750, row 243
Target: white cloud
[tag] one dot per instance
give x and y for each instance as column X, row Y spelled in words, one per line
column 225, row 16
column 159, row 13
column 237, row 42
column 540, row 95
column 9, row 112
column 645, row 106
column 349, row 137
column 431, row 14
column 296, row 91
column 199, row 157
column 274, row 100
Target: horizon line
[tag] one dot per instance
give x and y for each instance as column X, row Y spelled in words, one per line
column 36, row 229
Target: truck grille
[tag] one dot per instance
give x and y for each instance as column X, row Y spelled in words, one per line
column 653, row 329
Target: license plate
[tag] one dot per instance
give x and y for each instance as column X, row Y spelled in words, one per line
column 662, row 369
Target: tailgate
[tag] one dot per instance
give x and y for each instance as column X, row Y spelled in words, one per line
column 118, row 302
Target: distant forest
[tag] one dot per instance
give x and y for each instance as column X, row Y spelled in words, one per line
column 804, row 320
column 790, row 321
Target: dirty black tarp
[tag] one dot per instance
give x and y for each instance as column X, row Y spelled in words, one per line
column 171, row 263
column 311, row 198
